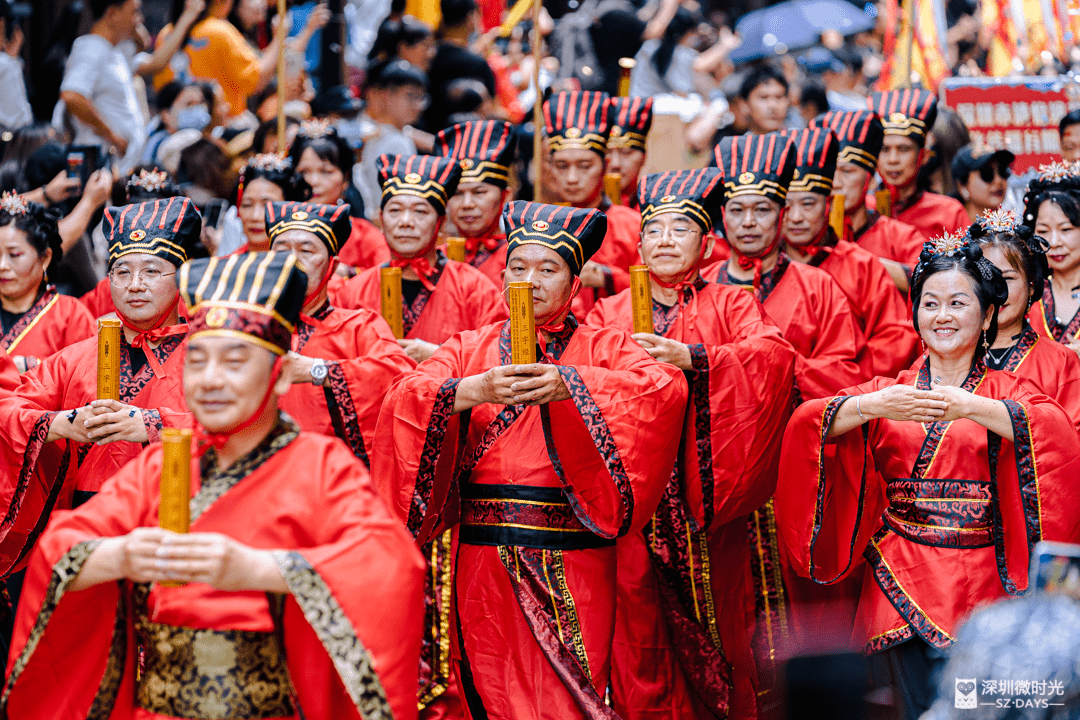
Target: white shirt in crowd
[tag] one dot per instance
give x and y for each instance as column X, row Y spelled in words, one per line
column 99, row 71
column 14, row 109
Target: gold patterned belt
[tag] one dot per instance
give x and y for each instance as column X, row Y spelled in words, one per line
column 212, row 674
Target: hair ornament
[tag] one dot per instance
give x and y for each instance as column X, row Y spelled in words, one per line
column 948, row 244
column 13, row 204
column 995, row 221
column 149, row 180
column 316, row 128
column 270, row 162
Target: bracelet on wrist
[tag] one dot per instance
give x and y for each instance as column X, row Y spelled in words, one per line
column 858, row 407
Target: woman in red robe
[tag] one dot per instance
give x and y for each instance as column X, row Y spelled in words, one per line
column 541, row 467
column 325, row 161
column 294, row 594
column 977, row 466
column 1052, row 209
column 344, row 360
column 686, row 607
column 1020, row 255
column 35, row 320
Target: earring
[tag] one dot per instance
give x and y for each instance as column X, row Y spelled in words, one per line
column 986, row 343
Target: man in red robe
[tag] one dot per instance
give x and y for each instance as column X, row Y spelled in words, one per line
column 578, row 126
column 907, row 116
column 541, row 466
column 58, row 442
column 485, row 151
column 683, row 626
column 439, row 298
column 812, row 313
column 897, row 245
column 631, row 118
column 891, row 342
column 294, row 594
column 344, row 360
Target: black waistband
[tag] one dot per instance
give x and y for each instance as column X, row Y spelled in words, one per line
column 523, row 516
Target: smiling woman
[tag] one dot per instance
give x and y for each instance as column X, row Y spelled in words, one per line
column 35, row 321
column 955, row 446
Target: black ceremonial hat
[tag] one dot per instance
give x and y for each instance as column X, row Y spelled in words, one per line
column 431, row 177
column 578, row 120
column 631, row 118
column 698, row 194
column 860, row 133
column 816, row 150
column 483, row 148
column 167, row 228
column 756, row 165
column 575, row 233
column 910, row 112
column 254, row 296
column 330, row 223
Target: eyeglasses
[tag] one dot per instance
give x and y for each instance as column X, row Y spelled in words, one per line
column 679, row 233
column 122, row 277
column 987, row 172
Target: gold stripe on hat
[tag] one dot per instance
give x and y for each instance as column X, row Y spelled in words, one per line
column 484, row 170
column 585, row 141
column 238, row 286
column 811, row 183
column 901, row 124
column 857, row 156
column 240, row 335
column 682, row 207
column 268, row 311
column 260, row 274
column 627, row 139
column 523, row 236
column 764, row 187
column 275, row 294
column 223, row 280
column 320, row 229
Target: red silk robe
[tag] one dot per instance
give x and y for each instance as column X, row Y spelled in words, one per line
column 890, row 239
column 1043, row 318
column 44, row 476
column 366, row 246
column 54, row 322
column 9, row 373
column 891, row 341
column 535, row 622
column 929, row 562
column 362, row 359
column 815, row 317
column 617, row 253
column 99, row 300
column 679, row 649
column 351, row 620
column 463, row 299
column 932, row 214
column 1052, row 368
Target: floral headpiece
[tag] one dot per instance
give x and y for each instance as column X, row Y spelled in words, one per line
column 149, row 180
column 270, row 162
column 316, row 128
column 947, row 244
column 1057, row 171
column 13, row 203
column 994, row 221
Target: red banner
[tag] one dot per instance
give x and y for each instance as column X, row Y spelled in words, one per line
column 1016, row 114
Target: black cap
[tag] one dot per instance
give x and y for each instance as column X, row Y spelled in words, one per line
column 975, row 157
column 338, row 100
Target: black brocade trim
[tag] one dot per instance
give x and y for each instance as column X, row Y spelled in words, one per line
column 898, row 596
column 305, row 331
column 872, row 218
column 28, row 317
column 769, row 280
column 605, row 445
column 664, row 317
column 131, row 386
column 435, row 645
column 1019, row 352
column 539, row 581
column 339, row 403
column 1061, row 333
column 828, row 417
column 698, row 379
column 887, row 640
column 1029, row 487
column 152, row 421
column 410, row 312
column 441, row 411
